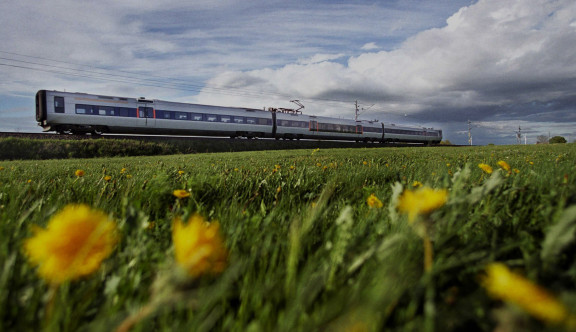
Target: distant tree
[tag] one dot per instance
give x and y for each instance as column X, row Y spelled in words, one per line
column 446, row 142
column 542, row 139
column 557, row 139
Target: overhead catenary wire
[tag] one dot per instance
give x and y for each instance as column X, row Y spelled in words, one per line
column 151, row 80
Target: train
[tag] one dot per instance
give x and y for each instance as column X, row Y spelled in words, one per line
column 83, row 113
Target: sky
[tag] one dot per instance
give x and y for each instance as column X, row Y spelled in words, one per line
column 496, row 67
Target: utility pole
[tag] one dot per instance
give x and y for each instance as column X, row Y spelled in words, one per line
column 519, row 135
column 357, row 110
column 469, row 132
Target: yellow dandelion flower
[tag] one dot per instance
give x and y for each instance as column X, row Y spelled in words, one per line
column 486, row 168
column 29, row 181
column 1, row 168
column 128, row 176
column 417, row 184
column 277, row 166
column 315, row 150
column 79, row 173
column 374, row 202
column 448, row 165
column 198, row 246
column 318, row 164
column 180, row 172
column 506, row 285
column 421, row 201
column 292, row 167
column 504, row 165
column 107, row 178
column 181, row 193
column 531, row 163
column 123, row 170
column 364, row 163
column 236, row 169
column 74, row 244
column 516, row 170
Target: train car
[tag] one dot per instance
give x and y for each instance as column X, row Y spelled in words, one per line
column 291, row 125
column 394, row 133
column 81, row 113
column 373, row 131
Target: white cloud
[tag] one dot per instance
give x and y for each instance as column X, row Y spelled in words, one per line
column 489, row 54
column 317, row 58
column 370, row 47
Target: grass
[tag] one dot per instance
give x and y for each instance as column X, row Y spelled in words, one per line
column 306, row 252
column 14, row 148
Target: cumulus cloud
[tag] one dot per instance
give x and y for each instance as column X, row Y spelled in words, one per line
column 370, row 47
column 317, row 58
column 491, row 59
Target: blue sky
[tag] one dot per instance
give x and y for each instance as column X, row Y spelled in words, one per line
column 500, row 64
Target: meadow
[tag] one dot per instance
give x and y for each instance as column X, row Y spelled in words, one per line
column 308, row 240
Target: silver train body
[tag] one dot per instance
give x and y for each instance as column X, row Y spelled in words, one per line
column 80, row 113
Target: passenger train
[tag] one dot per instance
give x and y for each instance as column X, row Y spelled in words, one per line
column 81, row 113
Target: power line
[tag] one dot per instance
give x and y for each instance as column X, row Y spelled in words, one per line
column 158, row 81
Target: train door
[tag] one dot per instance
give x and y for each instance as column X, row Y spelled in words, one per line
column 313, row 125
column 146, row 113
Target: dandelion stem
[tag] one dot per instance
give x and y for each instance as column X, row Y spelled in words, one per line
column 132, row 320
column 50, row 304
column 428, row 253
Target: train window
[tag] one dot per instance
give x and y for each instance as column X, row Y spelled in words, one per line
column 284, row 123
column 86, row 109
column 181, row 116
column 372, row 130
column 251, row 120
column 196, row 116
column 59, row 104
column 211, row 118
column 225, row 118
column 165, row 115
column 126, row 112
column 102, row 111
column 239, row 119
column 263, row 121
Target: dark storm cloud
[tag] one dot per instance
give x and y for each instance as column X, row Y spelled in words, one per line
column 493, row 62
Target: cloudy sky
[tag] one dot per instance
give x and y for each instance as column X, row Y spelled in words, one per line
column 434, row 63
